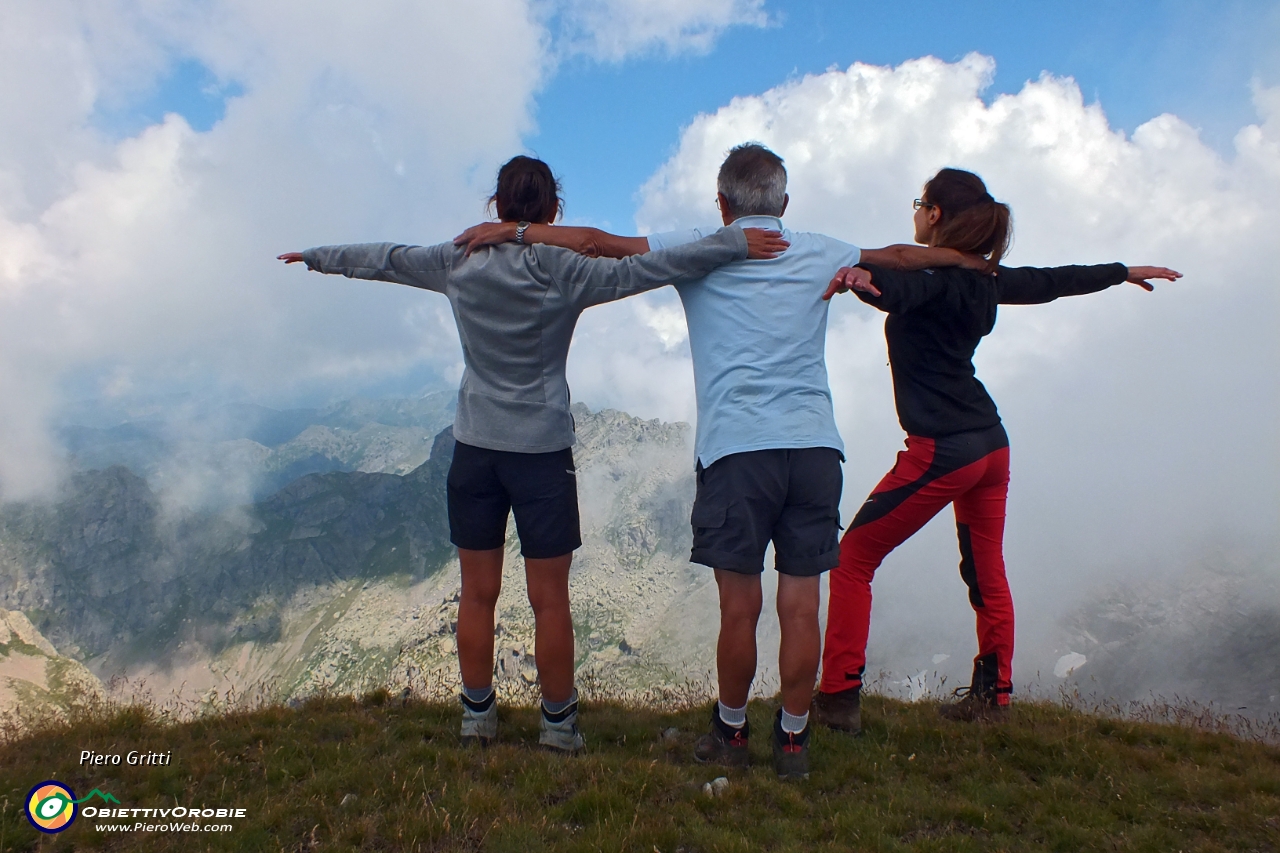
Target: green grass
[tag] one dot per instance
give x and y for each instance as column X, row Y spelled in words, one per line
column 1049, row 779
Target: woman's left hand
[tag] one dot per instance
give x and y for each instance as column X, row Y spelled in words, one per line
column 290, row 257
column 851, row 278
column 1139, row 276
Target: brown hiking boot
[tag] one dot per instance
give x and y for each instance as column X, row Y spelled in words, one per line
column 981, row 700
column 723, row 745
column 972, row 706
column 840, row 711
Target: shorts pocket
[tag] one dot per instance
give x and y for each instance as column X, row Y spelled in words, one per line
column 708, row 517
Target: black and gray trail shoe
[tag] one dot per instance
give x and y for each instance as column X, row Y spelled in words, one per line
column 479, row 721
column 559, row 731
column 723, row 744
column 790, row 751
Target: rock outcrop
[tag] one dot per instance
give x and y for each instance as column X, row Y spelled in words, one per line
column 35, row 680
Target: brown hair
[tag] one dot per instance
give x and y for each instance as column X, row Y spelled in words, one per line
column 971, row 220
column 527, row 192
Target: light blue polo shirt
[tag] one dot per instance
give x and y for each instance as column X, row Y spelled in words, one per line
column 758, row 334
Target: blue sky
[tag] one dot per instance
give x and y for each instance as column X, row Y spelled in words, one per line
column 605, row 129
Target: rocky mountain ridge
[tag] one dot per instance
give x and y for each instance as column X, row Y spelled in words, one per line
column 345, row 579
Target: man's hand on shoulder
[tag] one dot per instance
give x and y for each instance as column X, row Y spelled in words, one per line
column 763, row 244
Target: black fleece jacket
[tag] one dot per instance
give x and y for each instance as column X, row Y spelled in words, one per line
column 937, row 318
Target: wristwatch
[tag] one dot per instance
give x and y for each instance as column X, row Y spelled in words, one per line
column 520, row 229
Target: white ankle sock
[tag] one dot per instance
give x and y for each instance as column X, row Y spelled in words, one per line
column 735, row 717
column 793, row 725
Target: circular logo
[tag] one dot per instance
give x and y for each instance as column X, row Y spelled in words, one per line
column 51, row 806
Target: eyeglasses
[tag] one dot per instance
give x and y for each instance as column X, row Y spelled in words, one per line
column 919, row 203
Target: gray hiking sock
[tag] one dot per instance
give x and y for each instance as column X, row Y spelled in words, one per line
column 554, row 709
column 478, row 698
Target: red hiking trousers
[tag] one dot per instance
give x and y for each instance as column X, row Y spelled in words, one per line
column 970, row 470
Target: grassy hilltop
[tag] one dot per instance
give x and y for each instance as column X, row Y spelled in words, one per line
column 381, row 774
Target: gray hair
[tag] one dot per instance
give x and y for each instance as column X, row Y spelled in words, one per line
column 754, row 181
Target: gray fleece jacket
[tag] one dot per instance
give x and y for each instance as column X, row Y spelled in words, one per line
column 516, row 308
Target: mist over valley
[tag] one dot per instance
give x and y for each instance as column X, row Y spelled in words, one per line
column 183, row 568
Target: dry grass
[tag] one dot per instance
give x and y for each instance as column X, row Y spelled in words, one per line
column 1053, row 777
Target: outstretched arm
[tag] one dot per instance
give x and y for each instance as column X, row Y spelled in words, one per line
column 901, row 256
column 591, row 242
column 594, row 243
column 593, row 281
column 1036, row 285
column 417, row 266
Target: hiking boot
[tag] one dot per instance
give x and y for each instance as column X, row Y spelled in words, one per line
column 982, row 700
column 723, row 745
column 560, row 730
column 840, row 711
column 973, row 706
column 479, row 721
column 790, row 751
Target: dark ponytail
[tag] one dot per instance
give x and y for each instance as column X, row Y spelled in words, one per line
column 527, row 191
column 971, row 220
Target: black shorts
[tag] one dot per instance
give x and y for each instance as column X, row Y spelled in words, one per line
column 791, row 497
column 540, row 488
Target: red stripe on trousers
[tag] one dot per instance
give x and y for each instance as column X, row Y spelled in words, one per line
column 978, row 491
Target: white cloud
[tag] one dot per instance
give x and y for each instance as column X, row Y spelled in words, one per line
column 153, row 257
column 613, row 30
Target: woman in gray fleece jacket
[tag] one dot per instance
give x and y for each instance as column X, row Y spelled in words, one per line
column 516, row 307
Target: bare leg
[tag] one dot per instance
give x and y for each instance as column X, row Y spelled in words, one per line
column 801, row 641
column 548, row 584
column 740, row 602
column 481, row 583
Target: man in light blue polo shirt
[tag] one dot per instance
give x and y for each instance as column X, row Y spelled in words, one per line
column 768, row 451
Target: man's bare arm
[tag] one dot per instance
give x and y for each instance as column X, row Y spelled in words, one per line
column 591, row 242
column 902, row 256
column 762, row 244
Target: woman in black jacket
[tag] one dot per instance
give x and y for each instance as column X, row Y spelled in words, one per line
column 956, row 450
